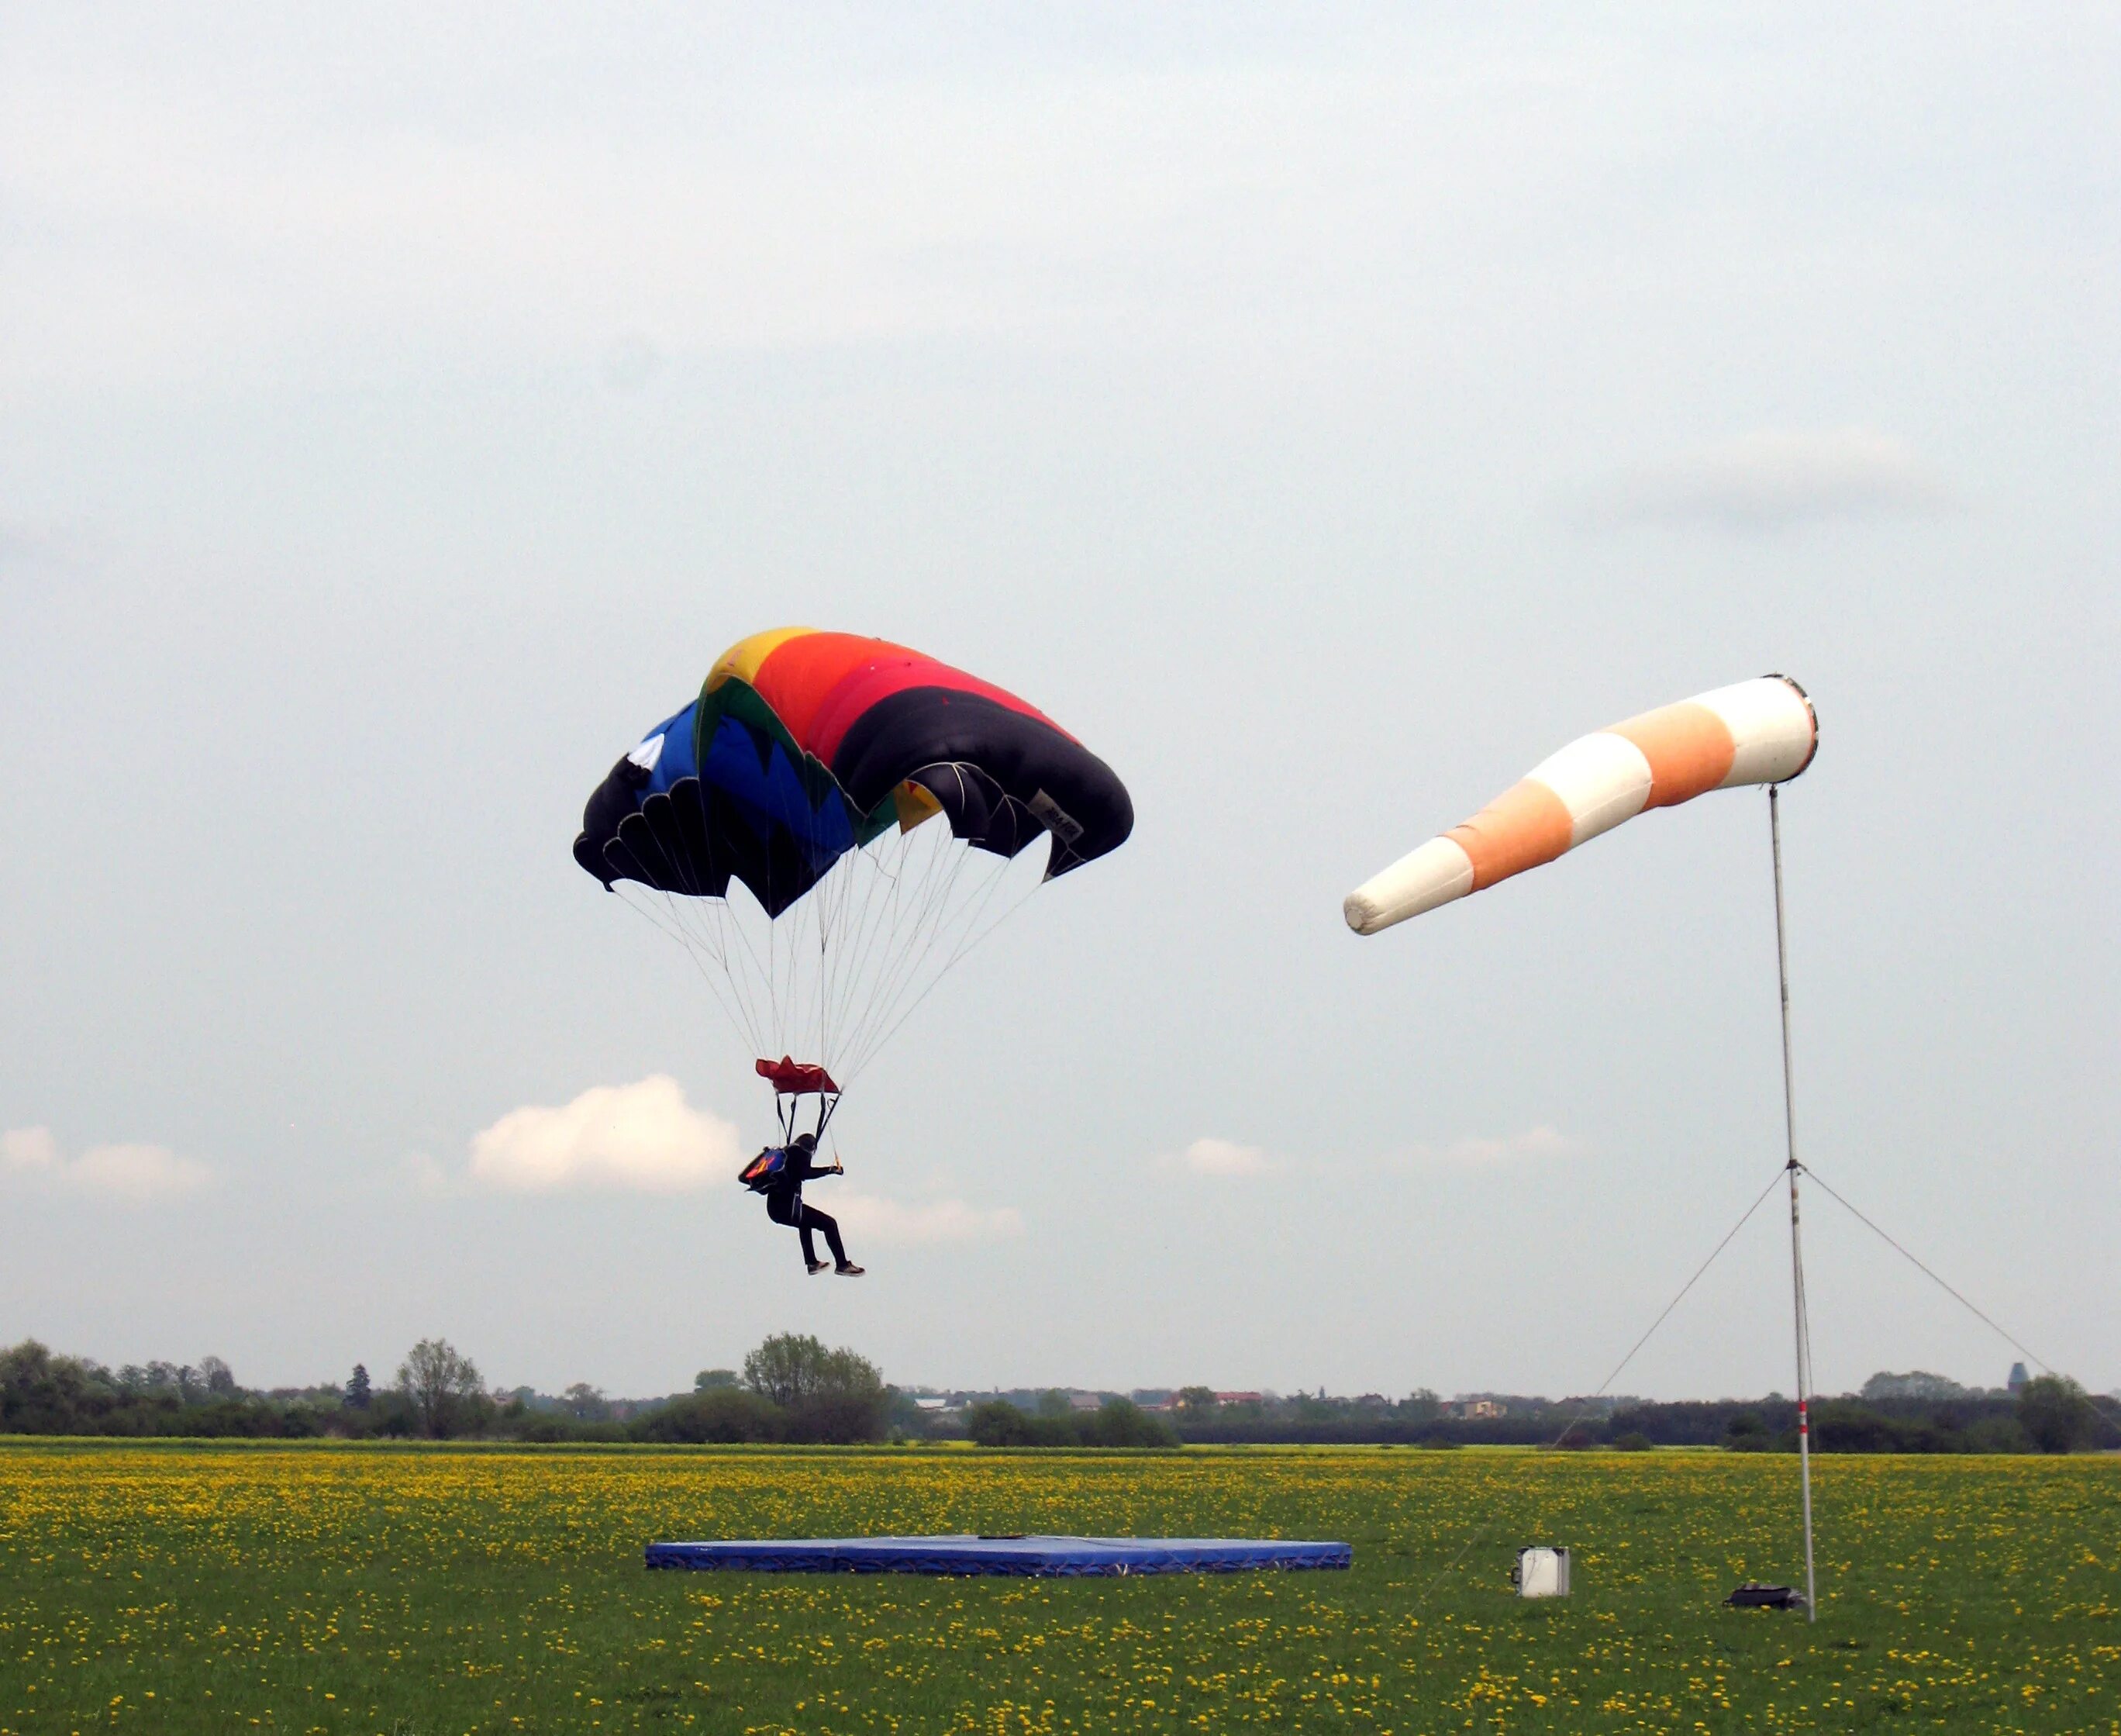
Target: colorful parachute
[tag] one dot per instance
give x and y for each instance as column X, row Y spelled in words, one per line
column 1756, row 732
column 775, row 828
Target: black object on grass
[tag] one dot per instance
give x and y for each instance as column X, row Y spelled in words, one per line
column 1753, row 1595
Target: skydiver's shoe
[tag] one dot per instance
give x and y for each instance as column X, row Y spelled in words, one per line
column 848, row 1269
column 815, row 1266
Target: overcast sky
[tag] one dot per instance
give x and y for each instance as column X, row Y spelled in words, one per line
column 1324, row 414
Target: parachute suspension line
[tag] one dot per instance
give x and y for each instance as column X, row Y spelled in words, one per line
column 969, row 935
column 946, row 917
column 1803, row 1319
column 876, row 892
column 672, row 873
column 887, row 1031
column 835, row 913
column 888, row 872
column 843, row 968
column 732, row 1008
column 936, row 910
column 816, row 944
column 706, row 930
column 885, row 863
column 839, row 920
column 950, row 964
column 761, row 980
column 714, row 942
column 709, row 919
column 838, row 965
column 831, row 896
column 900, row 876
column 791, row 952
column 924, row 922
column 715, row 922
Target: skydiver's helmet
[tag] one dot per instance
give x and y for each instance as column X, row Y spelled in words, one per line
column 806, row 1143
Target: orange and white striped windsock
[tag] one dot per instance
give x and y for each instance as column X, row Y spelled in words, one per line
column 1757, row 732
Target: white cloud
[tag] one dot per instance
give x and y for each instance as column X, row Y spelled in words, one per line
column 1219, row 1157
column 30, row 1149
column 135, row 1174
column 871, row 1217
column 643, row 1136
column 1533, row 1144
column 1771, row 479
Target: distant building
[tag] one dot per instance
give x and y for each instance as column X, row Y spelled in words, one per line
column 1239, row 1397
column 1916, row 1383
column 1084, row 1402
column 1481, row 1407
column 2018, row 1376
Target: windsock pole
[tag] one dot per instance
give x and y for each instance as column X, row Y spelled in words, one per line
column 1796, row 1243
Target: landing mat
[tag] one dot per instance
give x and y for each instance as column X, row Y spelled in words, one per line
column 1036, row 1557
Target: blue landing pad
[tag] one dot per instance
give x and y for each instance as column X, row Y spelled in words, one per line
column 1036, row 1557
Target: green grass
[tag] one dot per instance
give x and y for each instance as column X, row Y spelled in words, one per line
column 420, row 1591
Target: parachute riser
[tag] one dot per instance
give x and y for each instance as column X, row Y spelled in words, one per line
column 1802, row 1320
column 788, row 1109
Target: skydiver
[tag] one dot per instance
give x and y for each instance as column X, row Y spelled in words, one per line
column 784, row 1205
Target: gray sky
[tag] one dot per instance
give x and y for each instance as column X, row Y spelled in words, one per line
column 1324, row 414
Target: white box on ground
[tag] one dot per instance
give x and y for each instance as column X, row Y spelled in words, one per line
column 1542, row 1571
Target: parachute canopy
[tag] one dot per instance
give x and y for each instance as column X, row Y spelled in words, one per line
column 775, row 827
column 803, row 746
column 1756, row 732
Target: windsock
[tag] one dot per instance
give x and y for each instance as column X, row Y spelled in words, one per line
column 1757, row 732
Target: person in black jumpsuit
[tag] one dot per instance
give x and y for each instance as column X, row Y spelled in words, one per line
column 784, row 1205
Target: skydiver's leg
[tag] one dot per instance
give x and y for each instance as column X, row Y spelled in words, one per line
column 813, row 1218
column 788, row 1212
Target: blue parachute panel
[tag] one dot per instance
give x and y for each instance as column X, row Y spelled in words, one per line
column 754, row 773
column 1035, row 1557
column 676, row 760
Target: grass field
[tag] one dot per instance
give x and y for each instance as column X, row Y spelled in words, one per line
column 323, row 1588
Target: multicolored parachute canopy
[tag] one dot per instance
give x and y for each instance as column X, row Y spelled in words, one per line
column 803, row 774
column 1756, row 732
column 803, row 746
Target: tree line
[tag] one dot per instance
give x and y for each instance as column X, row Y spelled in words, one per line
column 1893, row 1414
column 794, row 1389
column 1056, row 1422
column 790, row 1388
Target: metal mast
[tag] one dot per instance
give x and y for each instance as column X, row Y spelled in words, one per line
column 1796, row 1242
